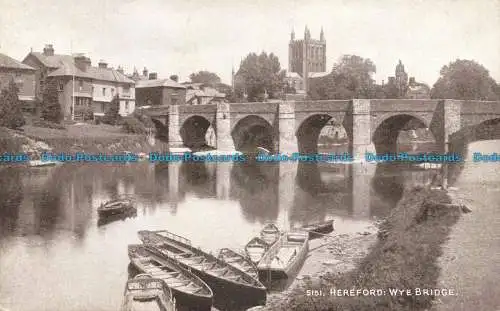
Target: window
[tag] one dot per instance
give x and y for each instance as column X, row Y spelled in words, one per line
column 61, row 85
column 103, row 91
column 102, row 107
column 126, row 106
column 92, row 90
column 80, row 86
column 112, row 92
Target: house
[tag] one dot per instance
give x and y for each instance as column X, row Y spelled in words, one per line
column 80, row 85
column 22, row 75
column 417, row 90
column 200, row 94
column 159, row 92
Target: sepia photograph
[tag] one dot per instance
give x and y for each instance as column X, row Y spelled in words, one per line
column 249, row 155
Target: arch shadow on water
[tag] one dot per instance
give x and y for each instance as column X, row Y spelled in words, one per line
column 255, row 186
column 197, row 179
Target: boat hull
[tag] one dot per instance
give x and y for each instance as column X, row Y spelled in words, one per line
column 317, row 231
column 228, row 294
column 185, row 301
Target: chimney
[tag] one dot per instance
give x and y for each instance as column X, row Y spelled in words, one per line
column 82, row 62
column 145, row 72
column 48, row 50
column 120, row 70
column 103, row 64
column 153, row 76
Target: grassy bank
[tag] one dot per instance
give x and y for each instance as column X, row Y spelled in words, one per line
column 76, row 138
column 405, row 257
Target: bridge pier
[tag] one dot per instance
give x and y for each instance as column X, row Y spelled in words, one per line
column 287, row 175
column 174, row 128
column 223, row 180
column 361, row 140
column 287, row 138
column 223, row 128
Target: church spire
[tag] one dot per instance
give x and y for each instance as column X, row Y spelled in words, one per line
column 307, row 34
column 322, row 35
column 292, row 35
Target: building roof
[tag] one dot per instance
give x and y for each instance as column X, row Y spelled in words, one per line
column 159, row 83
column 66, row 67
column 293, row 75
column 317, row 74
column 9, row 62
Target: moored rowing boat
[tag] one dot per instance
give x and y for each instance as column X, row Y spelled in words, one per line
column 231, row 286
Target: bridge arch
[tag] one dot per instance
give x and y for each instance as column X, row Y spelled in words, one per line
column 194, row 132
column 254, row 131
column 387, row 129
column 309, row 130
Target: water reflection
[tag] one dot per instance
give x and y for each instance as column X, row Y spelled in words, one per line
column 49, row 223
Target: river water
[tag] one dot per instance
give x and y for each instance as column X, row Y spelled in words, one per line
column 56, row 255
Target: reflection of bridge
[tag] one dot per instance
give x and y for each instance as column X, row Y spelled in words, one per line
column 295, row 126
column 266, row 193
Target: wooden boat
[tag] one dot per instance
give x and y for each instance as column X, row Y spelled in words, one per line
column 40, row 163
column 231, row 286
column 322, row 227
column 114, row 207
column 132, row 213
column 286, row 256
column 239, row 261
column 270, row 233
column 255, row 249
column 188, row 289
column 147, row 293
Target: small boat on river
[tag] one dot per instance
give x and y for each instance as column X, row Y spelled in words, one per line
column 319, row 228
column 147, row 293
column 255, row 249
column 188, row 289
column 286, row 256
column 239, row 261
column 228, row 283
column 114, row 207
column 270, row 233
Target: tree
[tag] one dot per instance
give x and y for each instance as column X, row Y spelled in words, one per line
column 174, row 78
column 226, row 89
column 205, row 77
column 11, row 115
column 260, row 75
column 112, row 115
column 51, row 110
column 466, row 80
column 351, row 77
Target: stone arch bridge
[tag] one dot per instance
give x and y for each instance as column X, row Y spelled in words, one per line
column 294, row 126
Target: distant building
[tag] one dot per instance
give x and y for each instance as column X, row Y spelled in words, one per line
column 22, row 75
column 199, row 94
column 137, row 77
column 418, row 90
column 407, row 88
column 306, row 59
column 159, row 92
column 81, row 85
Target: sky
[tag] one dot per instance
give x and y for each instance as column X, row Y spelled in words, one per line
column 180, row 37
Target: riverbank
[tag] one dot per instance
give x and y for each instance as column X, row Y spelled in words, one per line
column 471, row 257
column 76, row 138
column 403, row 257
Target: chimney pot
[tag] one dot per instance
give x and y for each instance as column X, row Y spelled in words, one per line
column 48, row 50
column 103, row 64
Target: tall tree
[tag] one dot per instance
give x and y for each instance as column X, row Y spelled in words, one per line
column 112, row 115
column 260, row 76
column 351, row 77
column 51, row 109
column 466, row 80
column 205, row 77
column 11, row 115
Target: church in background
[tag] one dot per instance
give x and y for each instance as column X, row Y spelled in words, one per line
column 306, row 59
